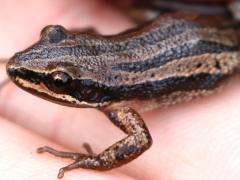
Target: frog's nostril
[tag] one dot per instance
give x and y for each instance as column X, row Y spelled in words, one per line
column 16, row 72
column 10, row 71
column 12, row 65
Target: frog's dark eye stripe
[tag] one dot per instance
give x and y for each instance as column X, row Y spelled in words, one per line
column 30, row 76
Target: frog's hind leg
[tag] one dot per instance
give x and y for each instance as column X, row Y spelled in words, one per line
column 135, row 143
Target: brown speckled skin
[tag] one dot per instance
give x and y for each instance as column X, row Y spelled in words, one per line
column 127, row 149
column 171, row 60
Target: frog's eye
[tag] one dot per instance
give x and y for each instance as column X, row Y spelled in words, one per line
column 54, row 34
column 59, row 81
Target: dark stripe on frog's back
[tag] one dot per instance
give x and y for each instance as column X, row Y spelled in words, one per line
column 153, row 89
column 181, row 52
column 92, row 45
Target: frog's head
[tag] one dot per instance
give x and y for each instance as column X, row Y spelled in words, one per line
column 54, row 68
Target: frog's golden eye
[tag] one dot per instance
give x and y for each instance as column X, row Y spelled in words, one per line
column 59, row 81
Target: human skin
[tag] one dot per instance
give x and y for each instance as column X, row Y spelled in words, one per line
column 195, row 140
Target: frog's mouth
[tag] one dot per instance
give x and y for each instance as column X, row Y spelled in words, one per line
column 36, row 83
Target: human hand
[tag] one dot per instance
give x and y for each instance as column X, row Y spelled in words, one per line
column 197, row 140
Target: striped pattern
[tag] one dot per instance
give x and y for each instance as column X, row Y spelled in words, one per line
column 173, row 53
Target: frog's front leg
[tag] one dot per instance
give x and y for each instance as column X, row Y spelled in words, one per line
column 125, row 150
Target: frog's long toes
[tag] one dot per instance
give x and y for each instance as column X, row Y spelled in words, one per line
column 44, row 149
column 61, row 173
column 62, row 154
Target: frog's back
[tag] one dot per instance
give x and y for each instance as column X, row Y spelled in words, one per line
column 174, row 56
